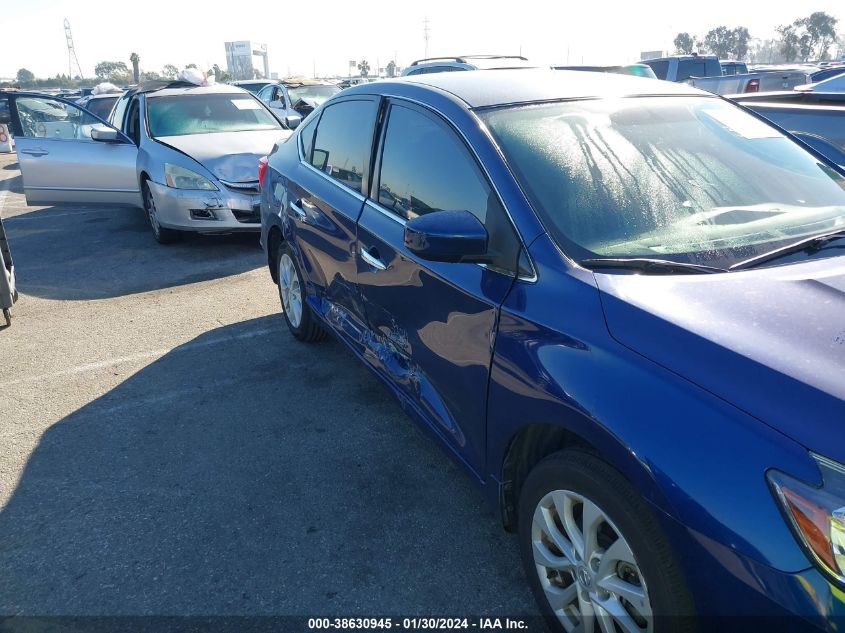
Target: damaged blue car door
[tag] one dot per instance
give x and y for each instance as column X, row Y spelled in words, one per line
column 433, row 323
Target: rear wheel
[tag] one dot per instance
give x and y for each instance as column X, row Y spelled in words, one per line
column 161, row 234
column 300, row 320
column 595, row 556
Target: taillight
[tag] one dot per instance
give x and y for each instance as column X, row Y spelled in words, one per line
column 262, row 169
column 753, row 86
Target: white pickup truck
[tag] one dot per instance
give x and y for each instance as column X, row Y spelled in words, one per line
column 768, row 80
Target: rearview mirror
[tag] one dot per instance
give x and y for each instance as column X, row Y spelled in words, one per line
column 293, row 121
column 104, row 134
column 447, row 236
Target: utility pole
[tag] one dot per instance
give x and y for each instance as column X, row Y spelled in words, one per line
column 425, row 35
column 71, row 53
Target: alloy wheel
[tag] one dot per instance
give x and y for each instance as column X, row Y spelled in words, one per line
column 289, row 290
column 586, row 567
column 151, row 212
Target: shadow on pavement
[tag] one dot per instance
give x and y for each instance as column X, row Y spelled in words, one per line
column 78, row 253
column 244, row 473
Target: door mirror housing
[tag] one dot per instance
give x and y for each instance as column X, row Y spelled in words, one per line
column 105, row 134
column 293, row 121
column 447, row 236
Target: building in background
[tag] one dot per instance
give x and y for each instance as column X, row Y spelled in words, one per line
column 239, row 59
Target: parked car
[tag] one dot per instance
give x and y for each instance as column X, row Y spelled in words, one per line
column 637, row 70
column 757, row 81
column 252, row 85
column 466, row 62
column 681, row 67
column 819, row 123
column 826, row 73
column 831, row 84
column 732, row 67
column 294, row 99
column 184, row 153
column 617, row 303
column 99, row 105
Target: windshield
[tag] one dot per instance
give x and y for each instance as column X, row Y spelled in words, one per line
column 101, row 107
column 179, row 115
column 689, row 179
column 316, row 94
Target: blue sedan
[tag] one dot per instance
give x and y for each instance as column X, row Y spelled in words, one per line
column 618, row 303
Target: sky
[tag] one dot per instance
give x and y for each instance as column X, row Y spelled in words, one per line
column 324, row 35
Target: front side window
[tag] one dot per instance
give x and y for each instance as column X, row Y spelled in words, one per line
column 343, row 140
column 425, row 167
column 43, row 117
column 185, row 114
column 689, row 179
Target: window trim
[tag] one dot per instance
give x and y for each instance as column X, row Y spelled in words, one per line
column 485, row 175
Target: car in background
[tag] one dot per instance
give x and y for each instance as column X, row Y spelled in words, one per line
column 99, row 105
column 818, row 119
column 586, row 287
column 679, row 68
column 835, row 83
column 294, row 99
column 187, row 154
column 769, row 80
column 252, row 85
column 732, row 67
column 826, row 73
column 636, row 70
column 466, row 62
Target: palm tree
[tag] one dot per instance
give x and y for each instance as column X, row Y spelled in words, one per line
column 364, row 68
column 135, row 58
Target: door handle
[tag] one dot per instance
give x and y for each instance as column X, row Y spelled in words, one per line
column 35, row 151
column 372, row 259
column 297, row 211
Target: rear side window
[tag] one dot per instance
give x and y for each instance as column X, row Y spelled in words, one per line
column 425, row 167
column 343, row 141
column 661, row 68
column 306, row 138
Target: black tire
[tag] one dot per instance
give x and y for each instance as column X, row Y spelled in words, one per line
column 161, row 234
column 631, row 517
column 309, row 329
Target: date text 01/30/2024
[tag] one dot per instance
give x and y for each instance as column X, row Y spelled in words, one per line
column 419, row 623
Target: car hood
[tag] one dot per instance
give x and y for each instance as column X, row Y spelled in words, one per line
column 769, row 341
column 230, row 156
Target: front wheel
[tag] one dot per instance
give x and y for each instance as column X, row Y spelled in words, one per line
column 595, row 556
column 161, row 234
column 300, row 320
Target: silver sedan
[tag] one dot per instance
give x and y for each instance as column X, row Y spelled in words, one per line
column 187, row 154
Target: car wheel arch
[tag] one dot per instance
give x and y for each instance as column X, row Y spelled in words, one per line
column 533, row 442
column 275, row 238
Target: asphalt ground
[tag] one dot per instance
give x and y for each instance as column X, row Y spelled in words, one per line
column 167, row 448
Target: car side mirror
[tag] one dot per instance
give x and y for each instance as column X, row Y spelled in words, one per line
column 293, row 121
column 447, row 236
column 104, row 135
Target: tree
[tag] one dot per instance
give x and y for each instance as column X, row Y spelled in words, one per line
column 741, row 37
column 220, row 75
column 190, row 65
column 135, row 58
column 789, row 42
column 391, row 68
column 684, row 43
column 116, row 72
column 364, row 68
column 820, row 29
column 719, row 41
column 149, row 75
column 169, row 71
column 25, row 76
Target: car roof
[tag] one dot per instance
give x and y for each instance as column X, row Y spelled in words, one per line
column 486, row 88
column 190, row 89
